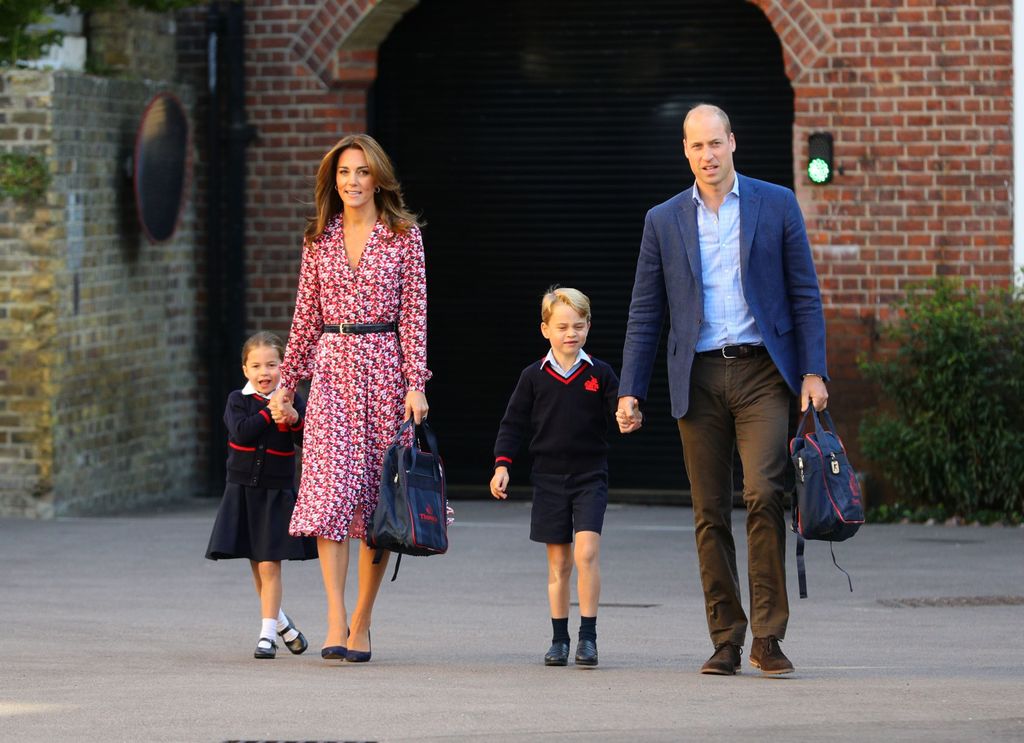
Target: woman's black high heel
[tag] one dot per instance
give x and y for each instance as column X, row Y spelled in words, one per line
column 334, row 652
column 361, row 656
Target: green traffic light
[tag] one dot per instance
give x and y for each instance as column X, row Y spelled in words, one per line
column 818, row 171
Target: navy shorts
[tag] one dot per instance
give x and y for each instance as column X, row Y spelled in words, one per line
column 564, row 504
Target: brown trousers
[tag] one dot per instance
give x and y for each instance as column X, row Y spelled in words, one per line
column 741, row 403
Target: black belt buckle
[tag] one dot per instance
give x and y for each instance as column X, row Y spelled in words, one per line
column 357, row 328
column 741, row 351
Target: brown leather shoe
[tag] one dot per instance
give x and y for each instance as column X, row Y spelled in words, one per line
column 766, row 655
column 725, row 661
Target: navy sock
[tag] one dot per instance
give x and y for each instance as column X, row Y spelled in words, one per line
column 588, row 628
column 560, row 630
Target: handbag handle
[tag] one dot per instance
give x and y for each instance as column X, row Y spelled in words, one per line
column 817, row 421
column 427, row 432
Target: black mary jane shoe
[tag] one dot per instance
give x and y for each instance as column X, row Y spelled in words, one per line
column 586, row 653
column 266, row 649
column 557, row 654
column 334, row 652
column 296, row 645
column 360, row 656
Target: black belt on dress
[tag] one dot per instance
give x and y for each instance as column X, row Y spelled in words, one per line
column 361, row 328
column 735, row 352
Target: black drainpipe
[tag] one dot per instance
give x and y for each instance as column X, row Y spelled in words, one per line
column 225, row 220
column 216, row 365
column 239, row 134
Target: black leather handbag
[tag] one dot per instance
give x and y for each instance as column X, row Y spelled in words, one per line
column 412, row 508
column 828, row 504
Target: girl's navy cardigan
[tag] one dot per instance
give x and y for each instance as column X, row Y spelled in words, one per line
column 260, row 455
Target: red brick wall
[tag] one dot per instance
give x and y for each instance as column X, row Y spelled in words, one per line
column 299, row 107
column 917, row 95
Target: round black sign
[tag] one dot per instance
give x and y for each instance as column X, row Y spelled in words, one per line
column 162, row 149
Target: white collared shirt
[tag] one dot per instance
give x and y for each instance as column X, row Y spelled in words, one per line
column 250, row 390
column 727, row 317
column 581, row 356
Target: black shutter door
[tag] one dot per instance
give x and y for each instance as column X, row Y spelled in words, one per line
column 533, row 137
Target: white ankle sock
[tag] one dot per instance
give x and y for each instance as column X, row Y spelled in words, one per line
column 269, row 629
column 282, row 622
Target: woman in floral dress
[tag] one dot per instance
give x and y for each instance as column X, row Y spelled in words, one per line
column 362, row 266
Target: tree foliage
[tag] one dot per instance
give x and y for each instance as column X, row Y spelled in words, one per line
column 950, row 432
column 18, row 41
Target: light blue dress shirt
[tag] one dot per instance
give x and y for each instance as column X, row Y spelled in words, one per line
column 581, row 356
column 727, row 317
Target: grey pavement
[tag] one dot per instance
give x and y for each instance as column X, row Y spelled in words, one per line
column 117, row 629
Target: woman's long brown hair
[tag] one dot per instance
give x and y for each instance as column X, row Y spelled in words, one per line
column 389, row 201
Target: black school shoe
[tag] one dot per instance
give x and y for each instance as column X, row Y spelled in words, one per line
column 266, row 649
column 296, row 645
column 557, row 654
column 586, row 653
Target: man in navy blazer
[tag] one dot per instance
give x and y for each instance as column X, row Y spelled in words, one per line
column 729, row 262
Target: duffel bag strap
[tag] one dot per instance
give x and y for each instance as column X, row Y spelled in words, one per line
column 801, row 568
column 428, row 435
column 378, row 555
column 848, row 578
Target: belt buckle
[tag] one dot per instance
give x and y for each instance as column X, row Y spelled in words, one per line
column 727, row 356
column 343, row 328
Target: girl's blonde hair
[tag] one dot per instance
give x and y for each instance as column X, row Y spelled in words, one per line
column 564, row 295
column 262, row 339
column 388, row 200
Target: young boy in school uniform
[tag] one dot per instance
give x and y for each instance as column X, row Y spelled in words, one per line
column 564, row 404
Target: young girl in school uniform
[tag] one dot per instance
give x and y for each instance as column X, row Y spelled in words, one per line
column 252, row 521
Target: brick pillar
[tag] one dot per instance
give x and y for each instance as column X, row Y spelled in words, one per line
column 28, row 307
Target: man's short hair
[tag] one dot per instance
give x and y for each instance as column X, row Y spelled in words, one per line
column 715, row 110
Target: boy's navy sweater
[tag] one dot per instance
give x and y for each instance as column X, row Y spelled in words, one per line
column 568, row 418
column 260, row 455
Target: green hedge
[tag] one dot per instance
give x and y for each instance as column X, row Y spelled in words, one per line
column 950, row 431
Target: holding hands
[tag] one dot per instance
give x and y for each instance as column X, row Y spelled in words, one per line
column 281, row 409
column 628, row 416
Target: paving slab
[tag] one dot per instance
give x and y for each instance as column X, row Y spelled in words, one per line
column 117, row 629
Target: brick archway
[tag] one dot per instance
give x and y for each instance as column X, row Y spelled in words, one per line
column 804, row 36
column 340, row 32
column 338, row 41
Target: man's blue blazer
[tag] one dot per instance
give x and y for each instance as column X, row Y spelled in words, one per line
column 779, row 284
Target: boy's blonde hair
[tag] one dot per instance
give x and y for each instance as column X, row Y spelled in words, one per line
column 263, row 339
column 564, row 295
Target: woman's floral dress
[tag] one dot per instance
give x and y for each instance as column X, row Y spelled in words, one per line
column 359, row 382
